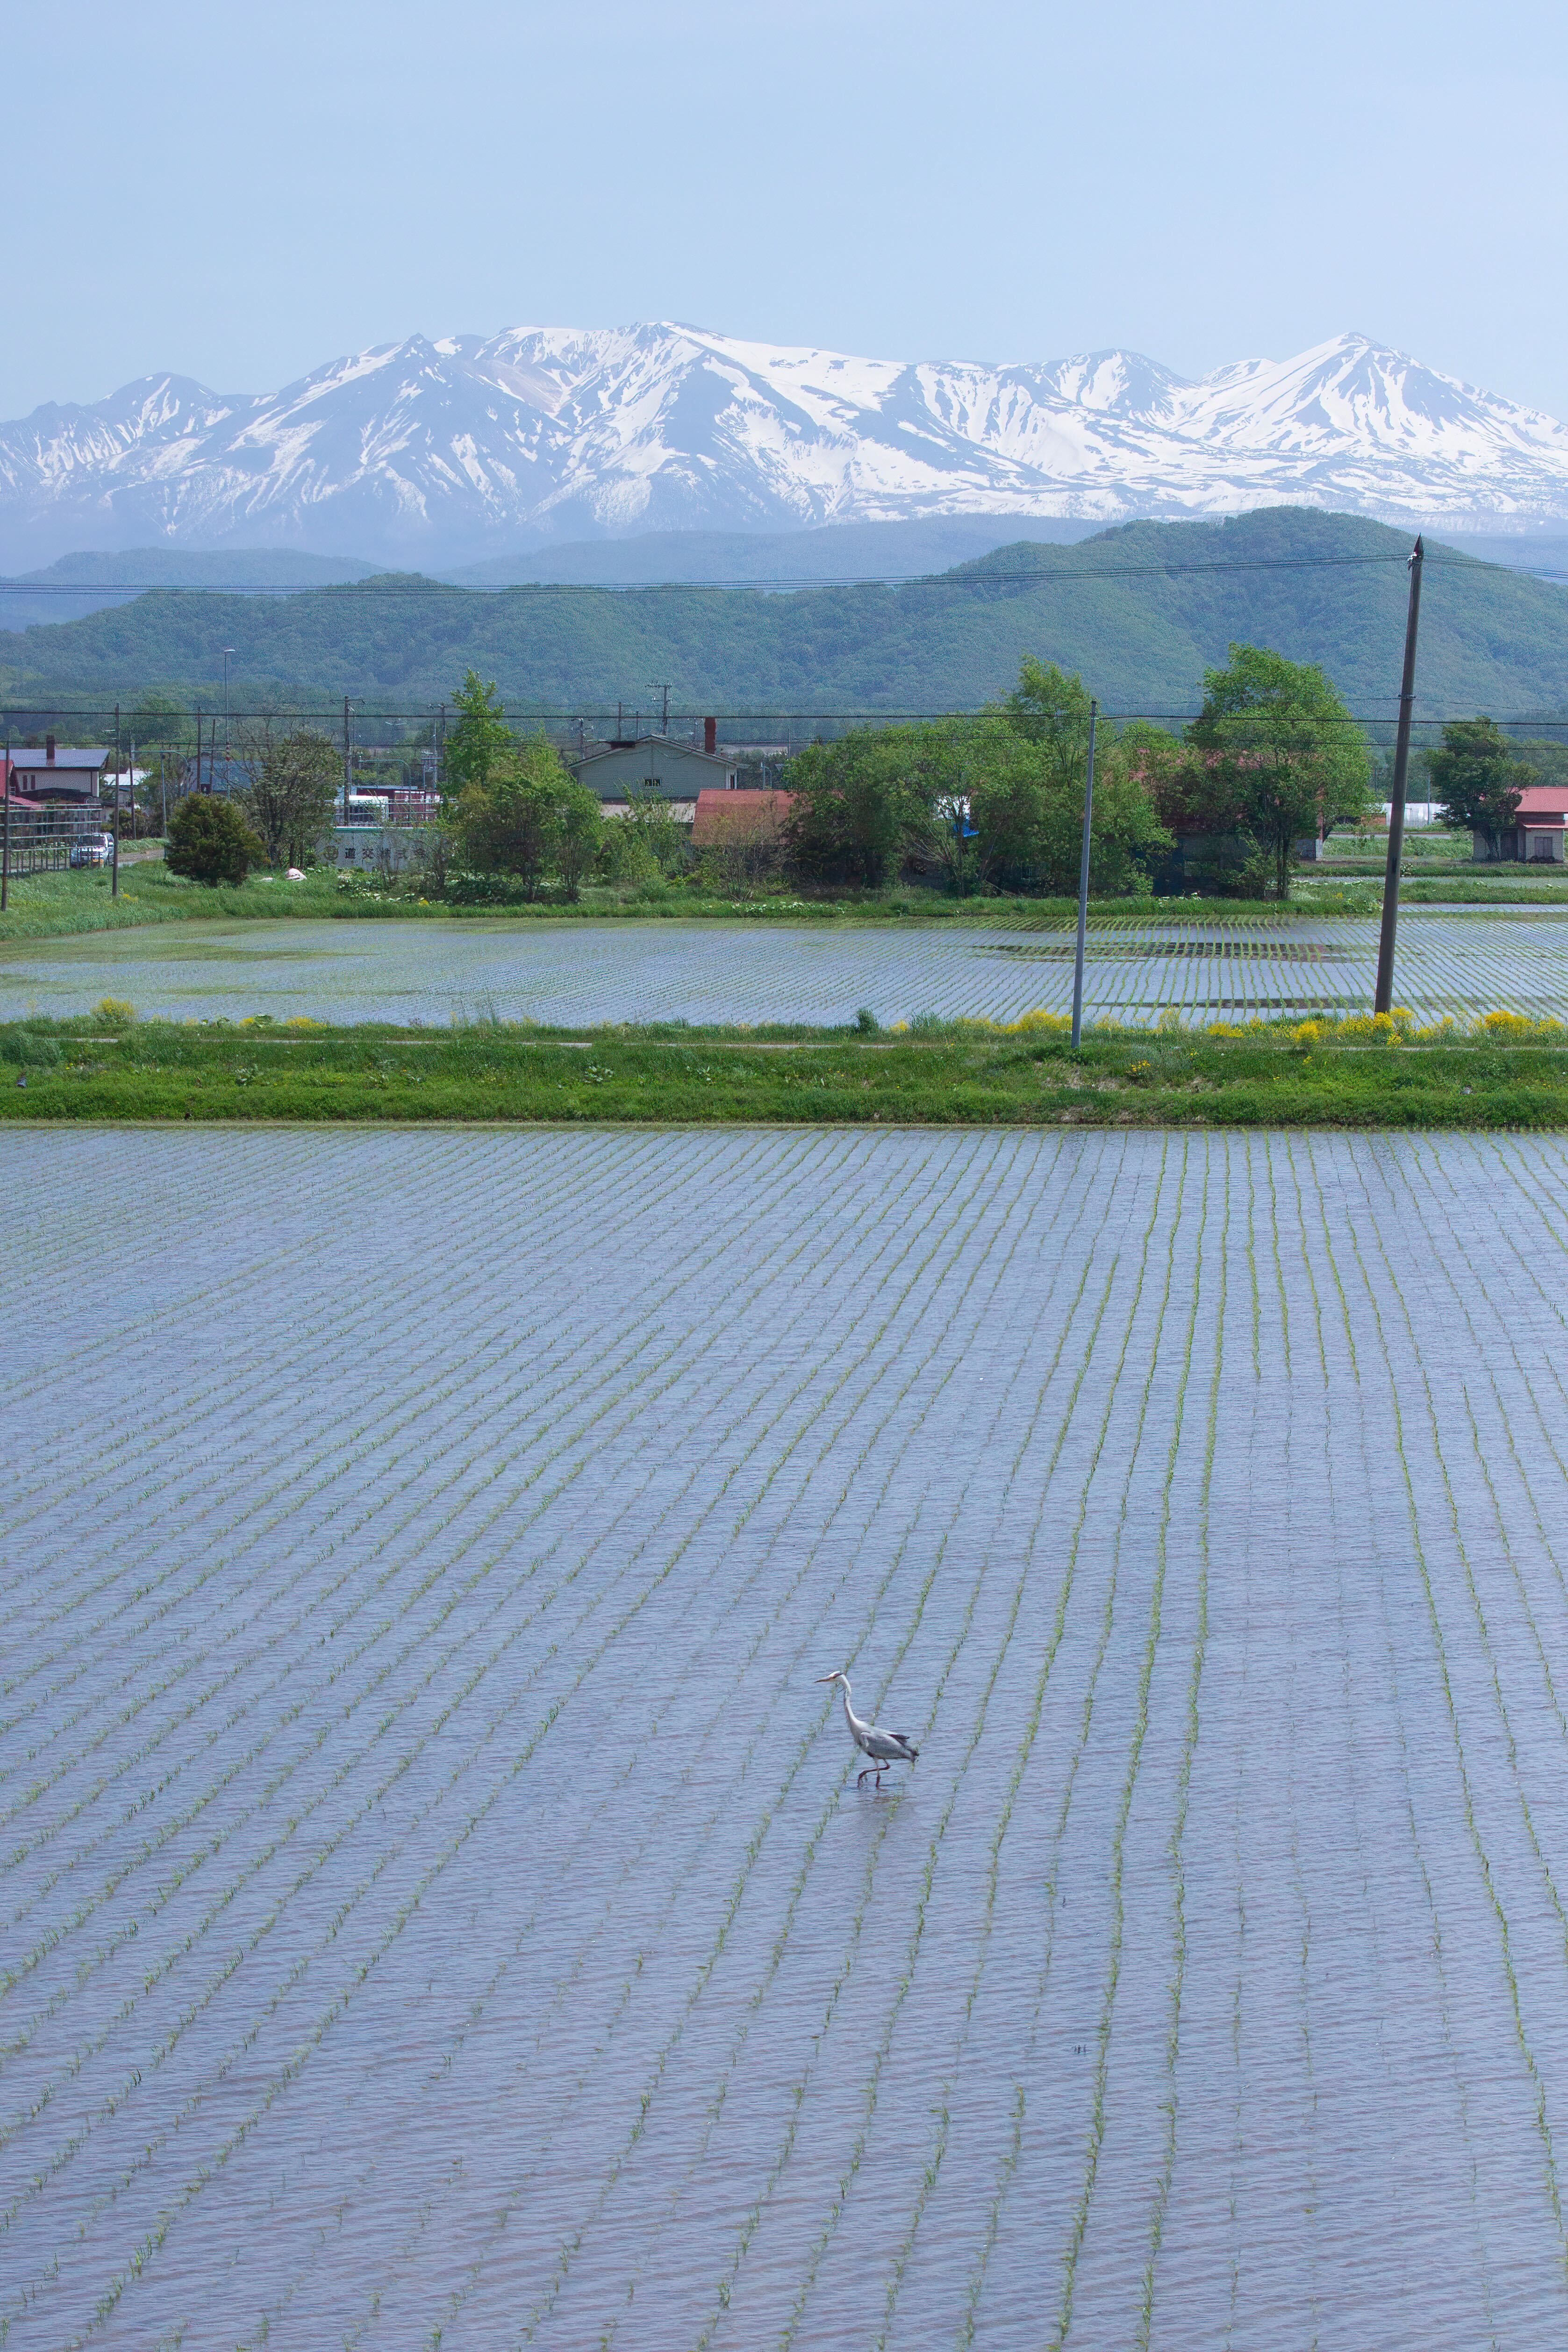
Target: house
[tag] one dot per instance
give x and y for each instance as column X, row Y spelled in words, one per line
column 60, row 772
column 653, row 765
column 1537, row 837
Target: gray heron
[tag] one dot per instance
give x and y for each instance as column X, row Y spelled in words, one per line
column 883, row 1747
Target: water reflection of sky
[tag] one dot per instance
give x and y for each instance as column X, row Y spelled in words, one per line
column 438, row 1907
column 436, row 972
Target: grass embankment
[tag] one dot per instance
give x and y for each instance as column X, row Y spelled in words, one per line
column 1355, row 1074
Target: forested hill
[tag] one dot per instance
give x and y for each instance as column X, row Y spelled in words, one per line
column 1139, row 611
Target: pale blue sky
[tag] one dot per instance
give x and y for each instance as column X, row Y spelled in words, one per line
column 240, row 193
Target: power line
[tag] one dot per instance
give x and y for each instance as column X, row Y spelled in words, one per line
column 421, row 714
column 1044, row 576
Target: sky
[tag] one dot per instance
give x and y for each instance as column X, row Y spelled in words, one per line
column 239, row 194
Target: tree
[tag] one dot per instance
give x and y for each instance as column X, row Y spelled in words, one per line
column 1478, row 779
column 661, row 840
column 479, row 738
column 1050, row 707
column 860, row 805
column 157, row 723
column 210, row 842
column 292, row 790
column 1026, row 800
column 1276, row 756
column 512, row 824
column 580, row 831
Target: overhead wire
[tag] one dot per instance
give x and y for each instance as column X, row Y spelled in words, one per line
column 964, row 576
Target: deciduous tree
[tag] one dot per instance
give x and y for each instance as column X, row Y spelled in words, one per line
column 1478, row 777
column 512, row 824
column 580, row 830
column 1276, row 755
column 479, row 739
column 860, row 805
column 292, row 789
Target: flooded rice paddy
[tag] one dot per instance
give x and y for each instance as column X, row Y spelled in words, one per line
column 437, row 1906
column 706, row 971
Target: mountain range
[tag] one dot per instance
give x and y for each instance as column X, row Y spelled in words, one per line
column 1139, row 610
column 469, row 449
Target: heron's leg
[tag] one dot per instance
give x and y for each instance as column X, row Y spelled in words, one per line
column 860, row 1778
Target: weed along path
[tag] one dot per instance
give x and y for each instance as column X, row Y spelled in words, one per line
column 439, row 1908
column 1449, row 962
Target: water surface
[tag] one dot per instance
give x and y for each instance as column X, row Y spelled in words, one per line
column 438, row 1907
column 704, row 972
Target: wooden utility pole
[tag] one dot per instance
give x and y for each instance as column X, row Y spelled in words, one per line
column 345, row 759
column 198, row 750
column 1383, row 997
column 6, row 836
column 1083, row 884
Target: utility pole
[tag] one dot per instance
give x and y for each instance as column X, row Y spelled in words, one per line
column 5, row 835
column 1083, row 884
column 114, row 854
column 663, row 722
column 163, row 797
column 1384, row 994
column 347, row 775
column 198, row 749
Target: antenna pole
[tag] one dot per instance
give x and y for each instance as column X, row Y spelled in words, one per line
column 1083, row 884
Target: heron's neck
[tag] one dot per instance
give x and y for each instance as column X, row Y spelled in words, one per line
column 851, row 1718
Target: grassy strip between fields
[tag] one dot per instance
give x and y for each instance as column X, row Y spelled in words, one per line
column 55, row 906
column 1354, row 1075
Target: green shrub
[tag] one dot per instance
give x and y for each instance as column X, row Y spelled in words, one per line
column 210, row 842
column 33, row 1052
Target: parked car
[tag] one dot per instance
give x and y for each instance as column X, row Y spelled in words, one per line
column 92, row 849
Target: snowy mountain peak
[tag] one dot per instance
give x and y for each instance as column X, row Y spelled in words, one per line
column 432, row 451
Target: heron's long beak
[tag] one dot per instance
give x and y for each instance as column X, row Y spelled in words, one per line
column 832, row 1677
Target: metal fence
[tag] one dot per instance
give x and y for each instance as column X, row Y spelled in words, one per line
column 40, row 840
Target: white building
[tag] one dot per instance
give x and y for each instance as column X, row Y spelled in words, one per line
column 60, row 772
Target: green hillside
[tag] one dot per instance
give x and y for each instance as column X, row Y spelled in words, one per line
column 1324, row 588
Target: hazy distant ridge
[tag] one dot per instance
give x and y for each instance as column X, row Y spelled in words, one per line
column 455, row 451
column 1139, row 611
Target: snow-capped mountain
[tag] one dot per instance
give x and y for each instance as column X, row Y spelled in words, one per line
column 418, row 453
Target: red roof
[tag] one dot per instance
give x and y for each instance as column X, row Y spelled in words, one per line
column 720, row 811
column 1540, row 802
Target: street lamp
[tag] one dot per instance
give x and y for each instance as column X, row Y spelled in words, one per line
column 226, row 776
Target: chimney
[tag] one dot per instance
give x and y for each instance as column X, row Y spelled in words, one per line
column 49, row 749
column 710, row 735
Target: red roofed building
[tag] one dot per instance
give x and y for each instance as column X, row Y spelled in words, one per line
column 738, row 814
column 1537, row 837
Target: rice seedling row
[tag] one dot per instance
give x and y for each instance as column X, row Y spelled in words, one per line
column 439, row 1908
column 1449, row 962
